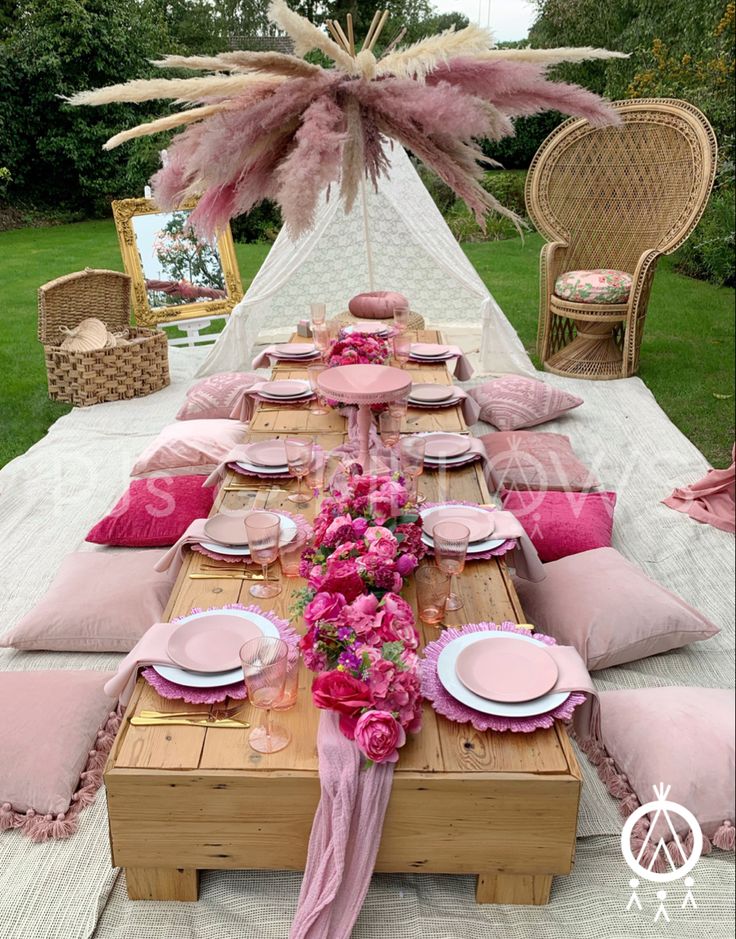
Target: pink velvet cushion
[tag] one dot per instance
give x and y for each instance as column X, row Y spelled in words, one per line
column 528, row 460
column 513, row 401
column 609, row 609
column 154, row 512
column 378, row 305
column 50, row 732
column 562, row 523
column 99, row 601
column 189, row 447
column 682, row 737
column 216, row 396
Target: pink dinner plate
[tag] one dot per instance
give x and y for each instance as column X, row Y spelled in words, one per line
column 479, row 522
column 211, row 643
column 267, row 453
column 295, row 349
column 227, row 529
column 442, row 446
column 433, row 405
column 284, row 389
column 431, row 393
column 505, row 669
column 428, row 350
column 370, row 329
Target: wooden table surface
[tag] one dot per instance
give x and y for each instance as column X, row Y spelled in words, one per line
column 494, row 782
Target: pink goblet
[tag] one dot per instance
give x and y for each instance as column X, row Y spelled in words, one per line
column 265, row 661
column 450, row 550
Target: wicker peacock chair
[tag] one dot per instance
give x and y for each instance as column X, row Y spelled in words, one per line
column 611, row 201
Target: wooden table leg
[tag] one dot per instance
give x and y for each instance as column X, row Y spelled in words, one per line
column 162, row 883
column 527, row 889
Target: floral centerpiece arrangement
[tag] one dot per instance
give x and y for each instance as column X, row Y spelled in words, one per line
column 358, row 349
column 361, row 638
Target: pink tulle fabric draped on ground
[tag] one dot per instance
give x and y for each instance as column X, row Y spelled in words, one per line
column 346, row 834
column 712, row 500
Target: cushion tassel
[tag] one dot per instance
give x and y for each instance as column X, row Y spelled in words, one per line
column 725, row 836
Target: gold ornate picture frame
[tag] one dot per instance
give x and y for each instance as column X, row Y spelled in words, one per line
column 174, row 275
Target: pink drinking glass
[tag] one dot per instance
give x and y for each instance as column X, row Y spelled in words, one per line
column 291, row 683
column 398, row 408
column 433, row 589
column 290, row 555
column 299, row 457
column 389, row 427
column 402, row 348
column 321, row 336
column 411, row 457
column 314, row 371
column 265, row 662
column 317, row 471
column 401, row 317
column 450, row 550
column 318, row 312
column 263, row 530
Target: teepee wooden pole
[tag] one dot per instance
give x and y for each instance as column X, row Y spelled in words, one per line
column 374, row 23
column 343, row 37
column 378, row 31
column 336, row 36
column 351, row 34
column 395, row 41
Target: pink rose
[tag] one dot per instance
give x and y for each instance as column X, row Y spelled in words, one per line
column 381, row 542
column 406, row 564
column 324, row 606
column 381, row 506
column 341, row 692
column 337, row 523
column 379, row 735
column 343, row 577
column 359, row 527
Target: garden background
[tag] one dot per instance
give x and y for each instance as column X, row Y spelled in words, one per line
column 56, row 183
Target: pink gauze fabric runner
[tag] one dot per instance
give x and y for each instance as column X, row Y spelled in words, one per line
column 346, row 833
column 712, row 500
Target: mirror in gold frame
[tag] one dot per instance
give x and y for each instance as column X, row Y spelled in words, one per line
column 175, row 275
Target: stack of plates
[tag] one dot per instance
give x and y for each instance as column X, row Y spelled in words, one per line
column 500, row 673
column 447, row 450
column 429, row 352
column 266, row 458
column 479, row 521
column 433, row 396
column 205, row 647
column 368, row 328
column 226, row 534
column 288, row 390
column 295, row 351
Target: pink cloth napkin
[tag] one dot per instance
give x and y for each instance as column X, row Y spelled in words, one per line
column 711, row 500
column 218, row 473
column 573, row 676
column 151, row 649
column 525, row 558
column 346, row 834
column 263, row 359
column 193, row 535
column 470, row 407
column 463, row 370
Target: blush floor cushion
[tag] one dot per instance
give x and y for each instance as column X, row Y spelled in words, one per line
column 513, row 402
column 56, row 729
column 563, row 523
column 216, row 396
column 682, row 737
column 609, row 610
column 186, row 447
column 154, row 512
column 100, row 601
column 524, row 459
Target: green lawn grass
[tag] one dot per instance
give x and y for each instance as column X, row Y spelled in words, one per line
column 687, row 356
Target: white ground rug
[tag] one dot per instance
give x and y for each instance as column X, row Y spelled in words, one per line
column 53, row 494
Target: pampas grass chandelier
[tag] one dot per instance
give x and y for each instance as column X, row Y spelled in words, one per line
column 265, row 125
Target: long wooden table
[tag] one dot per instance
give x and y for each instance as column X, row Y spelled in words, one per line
column 185, row 799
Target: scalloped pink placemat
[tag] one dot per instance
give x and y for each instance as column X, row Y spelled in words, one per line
column 444, row 703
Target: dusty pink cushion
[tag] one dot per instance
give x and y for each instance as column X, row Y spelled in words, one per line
column 154, row 512
column 49, row 723
column 527, row 460
column 609, row 609
column 562, row 523
column 189, row 447
column 683, row 737
column 99, row 602
column 378, row 305
column 216, row 396
column 513, row 401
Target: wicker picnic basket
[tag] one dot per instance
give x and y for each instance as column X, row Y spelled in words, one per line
column 122, row 371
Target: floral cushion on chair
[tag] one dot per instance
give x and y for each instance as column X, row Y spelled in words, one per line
column 597, row 286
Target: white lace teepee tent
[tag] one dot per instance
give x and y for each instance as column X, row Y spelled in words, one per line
column 394, row 239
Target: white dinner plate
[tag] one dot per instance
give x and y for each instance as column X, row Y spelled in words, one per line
column 182, row 676
column 447, row 676
column 435, row 404
column 475, row 547
column 263, row 470
column 367, row 329
column 283, row 400
column 287, row 535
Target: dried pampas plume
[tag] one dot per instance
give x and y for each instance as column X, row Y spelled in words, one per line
column 266, row 125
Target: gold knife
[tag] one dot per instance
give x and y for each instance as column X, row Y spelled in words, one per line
column 187, row 722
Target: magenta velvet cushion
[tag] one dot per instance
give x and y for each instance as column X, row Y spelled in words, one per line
column 682, row 737
column 609, row 609
column 563, row 523
column 378, row 305
column 53, row 726
column 100, row 601
column 215, row 397
column 154, row 512
column 527, row 460
column 513, row 401
column 189, row 447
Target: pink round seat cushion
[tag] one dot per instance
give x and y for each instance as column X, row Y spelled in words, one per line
column 376, row 306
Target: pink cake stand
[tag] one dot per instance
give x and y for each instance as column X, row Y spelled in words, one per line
column 364, row 385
